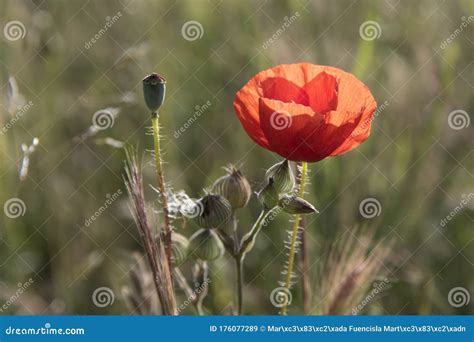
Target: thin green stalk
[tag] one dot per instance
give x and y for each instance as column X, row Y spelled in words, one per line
column 161, row 185
column 294, row 237
column 240, row 283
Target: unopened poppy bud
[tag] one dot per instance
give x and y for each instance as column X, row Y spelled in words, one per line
column 214, row 210
column 205, row 245
column 269, row 195
column 180, row 249
column 233, row 186
column 154, row 89
column 284, row 180
column 296, row 205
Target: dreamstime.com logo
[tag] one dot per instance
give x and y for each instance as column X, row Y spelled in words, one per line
column 103, row 119
column 109, row 22
column 14, row 30
column 22, row 110
column 458, row 119
column 103, row 296
column 282, row 29
column 14, row 208
column 465, row 21
column 370, row 208
column 378, row 287
column 370, row 30
column 110, row 198
column 280, row 120
column 281, row 297
column 199, row 110
column 198, row 289
column 22, row 287
column 458, row 297
column 463, row 203
column 192, row 30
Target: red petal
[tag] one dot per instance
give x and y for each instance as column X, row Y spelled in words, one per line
column 322, row 91
column 289, row 128
column 278, row 88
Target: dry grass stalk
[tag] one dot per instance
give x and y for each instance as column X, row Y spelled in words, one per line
column 140, row 295
column 351, row 267
column 154, row 251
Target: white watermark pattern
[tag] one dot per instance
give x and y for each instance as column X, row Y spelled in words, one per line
column 14, row 208
column 370, row 30
column 103, row 119
column 378, row 287
column 192, row 30
column 14, row 30
column 199, row 110
column 465, row 201
column 370, row 208
column 458, row 119
column 280, row 120
column 465, row 21
column 110, row 198
column 458, row 297
column 103, row 296
column 22, row 287
column 281, row 297
column 109, row 22
column 286, row 24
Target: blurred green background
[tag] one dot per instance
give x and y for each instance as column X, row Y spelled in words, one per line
column 415, row 164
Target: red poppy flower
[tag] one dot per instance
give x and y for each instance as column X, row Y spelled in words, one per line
column 305, row 112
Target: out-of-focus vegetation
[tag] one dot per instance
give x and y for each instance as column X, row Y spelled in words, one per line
column 415, row 164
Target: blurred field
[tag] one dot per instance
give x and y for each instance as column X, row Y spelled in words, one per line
column 415, row 164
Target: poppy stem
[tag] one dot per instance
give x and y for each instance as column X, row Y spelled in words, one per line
column 294, row 237
column 161, row 186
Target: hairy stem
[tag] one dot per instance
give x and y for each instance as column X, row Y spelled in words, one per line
column 240, row 283
column 161, row 186
column 294, row 237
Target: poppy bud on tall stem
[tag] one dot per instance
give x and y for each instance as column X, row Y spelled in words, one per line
column 154, row 88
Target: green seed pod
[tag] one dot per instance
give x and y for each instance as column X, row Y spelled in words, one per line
column 214, row 210
column 154, row 89
column 284, row 180
column 269, row 195
column 179, row 249
column 205, row 245
column 293, row 204
column 233, row 186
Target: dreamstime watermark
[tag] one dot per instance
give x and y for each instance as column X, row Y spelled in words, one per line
column 370, row 207
column 103, row 119
column 465, row 201
column 458, row 297
column 378, row 287
column 370, row 30
column 109, row 22
column 198, row 289
column 199, row 110
column 46, row 330
column 274, row 213
column 364, row 125
column 22, row 287
column 22, row 110
column 192, row 30
column 458, row 119
column 280, row 120
column 14, row 30
column 103, row 296
column 111, row 198
column 281, row 297
column 282, row 29
column 465, row 21
column 14, row 208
